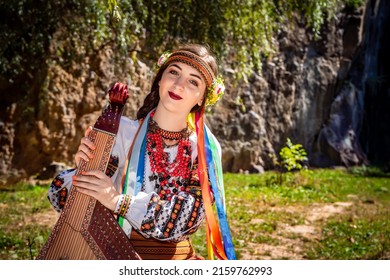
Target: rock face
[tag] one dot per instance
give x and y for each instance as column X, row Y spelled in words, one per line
column 329, row 95
column 357, row 129
column 314, row 92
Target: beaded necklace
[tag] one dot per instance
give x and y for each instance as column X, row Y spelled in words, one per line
column 169, row 176
column 170, row 135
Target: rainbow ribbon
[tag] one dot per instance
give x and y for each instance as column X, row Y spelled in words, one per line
column 219, row 240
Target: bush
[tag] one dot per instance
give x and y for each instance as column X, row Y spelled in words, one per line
column 292, row 157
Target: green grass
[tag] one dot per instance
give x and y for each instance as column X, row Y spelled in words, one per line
column 260, row 207
column 19, row 237
column 352, row 238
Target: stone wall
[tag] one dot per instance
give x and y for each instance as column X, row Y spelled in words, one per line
column 304, row 91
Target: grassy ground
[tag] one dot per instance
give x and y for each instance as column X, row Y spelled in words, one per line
column 316, row 214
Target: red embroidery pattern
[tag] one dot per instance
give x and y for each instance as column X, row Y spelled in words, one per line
column 149, row 225
column 63, row 195
column 194, row 181
column 169, row 207
column 173, row 218
column 112, row 166
column 57, row 182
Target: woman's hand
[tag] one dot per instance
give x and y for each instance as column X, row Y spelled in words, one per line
column 84, row 151
column 98, row 185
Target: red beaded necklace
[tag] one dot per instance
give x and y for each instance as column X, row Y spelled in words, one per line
column 159, row 160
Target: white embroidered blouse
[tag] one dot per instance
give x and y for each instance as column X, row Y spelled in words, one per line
column 165, row 220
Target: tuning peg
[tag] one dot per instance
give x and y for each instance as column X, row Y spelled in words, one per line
column 118, row 93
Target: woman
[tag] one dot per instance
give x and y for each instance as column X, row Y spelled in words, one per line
column 173, row 176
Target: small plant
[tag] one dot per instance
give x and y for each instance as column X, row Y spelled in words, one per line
column 292, row 157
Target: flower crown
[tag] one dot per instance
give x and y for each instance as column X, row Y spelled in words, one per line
column 215, row 85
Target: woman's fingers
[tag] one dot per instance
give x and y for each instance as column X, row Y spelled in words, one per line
column 83, row 153
column 95, row 173
column 87, row 142
column 87, row 182
column 94, row 180
column 88, row 131
column 85, row 149
column 98, row 185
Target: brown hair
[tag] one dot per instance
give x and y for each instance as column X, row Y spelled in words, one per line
column 152, row 99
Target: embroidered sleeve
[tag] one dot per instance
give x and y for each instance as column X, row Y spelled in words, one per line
column 62, row 183
column 169, row 217
column 174, row 219
column 59, row 189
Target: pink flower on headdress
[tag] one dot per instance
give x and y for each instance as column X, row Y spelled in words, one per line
column 163, row 58
column 215, row 92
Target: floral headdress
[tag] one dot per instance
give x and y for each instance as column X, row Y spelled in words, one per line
column 215, row 85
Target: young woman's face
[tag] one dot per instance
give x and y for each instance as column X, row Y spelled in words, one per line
column 181, row 88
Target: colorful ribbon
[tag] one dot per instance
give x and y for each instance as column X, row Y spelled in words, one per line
column 219, row 240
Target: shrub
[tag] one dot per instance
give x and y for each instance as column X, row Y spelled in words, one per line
column 292, row 157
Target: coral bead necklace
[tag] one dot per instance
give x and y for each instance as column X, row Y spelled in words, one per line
column 166, row 171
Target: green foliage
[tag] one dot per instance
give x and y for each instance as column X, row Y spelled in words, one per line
column 26, row 29
column 354, row 4
column 292, row 157
column 318, row 11
column 245, row 30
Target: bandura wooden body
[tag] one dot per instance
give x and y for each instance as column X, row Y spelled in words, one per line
column 86, row 230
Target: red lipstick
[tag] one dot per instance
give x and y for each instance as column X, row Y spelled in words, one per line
column 174, row 96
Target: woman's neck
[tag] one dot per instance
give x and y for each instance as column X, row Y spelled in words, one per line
column 170, row 121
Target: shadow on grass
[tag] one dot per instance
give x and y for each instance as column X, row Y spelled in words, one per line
column 370, row 171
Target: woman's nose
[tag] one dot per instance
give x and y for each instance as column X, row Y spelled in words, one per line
column 179, row 83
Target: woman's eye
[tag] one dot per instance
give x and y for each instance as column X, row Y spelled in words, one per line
column 195, row 83
column 172, row 71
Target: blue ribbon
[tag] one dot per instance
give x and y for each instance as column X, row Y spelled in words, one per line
column 218, row 196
